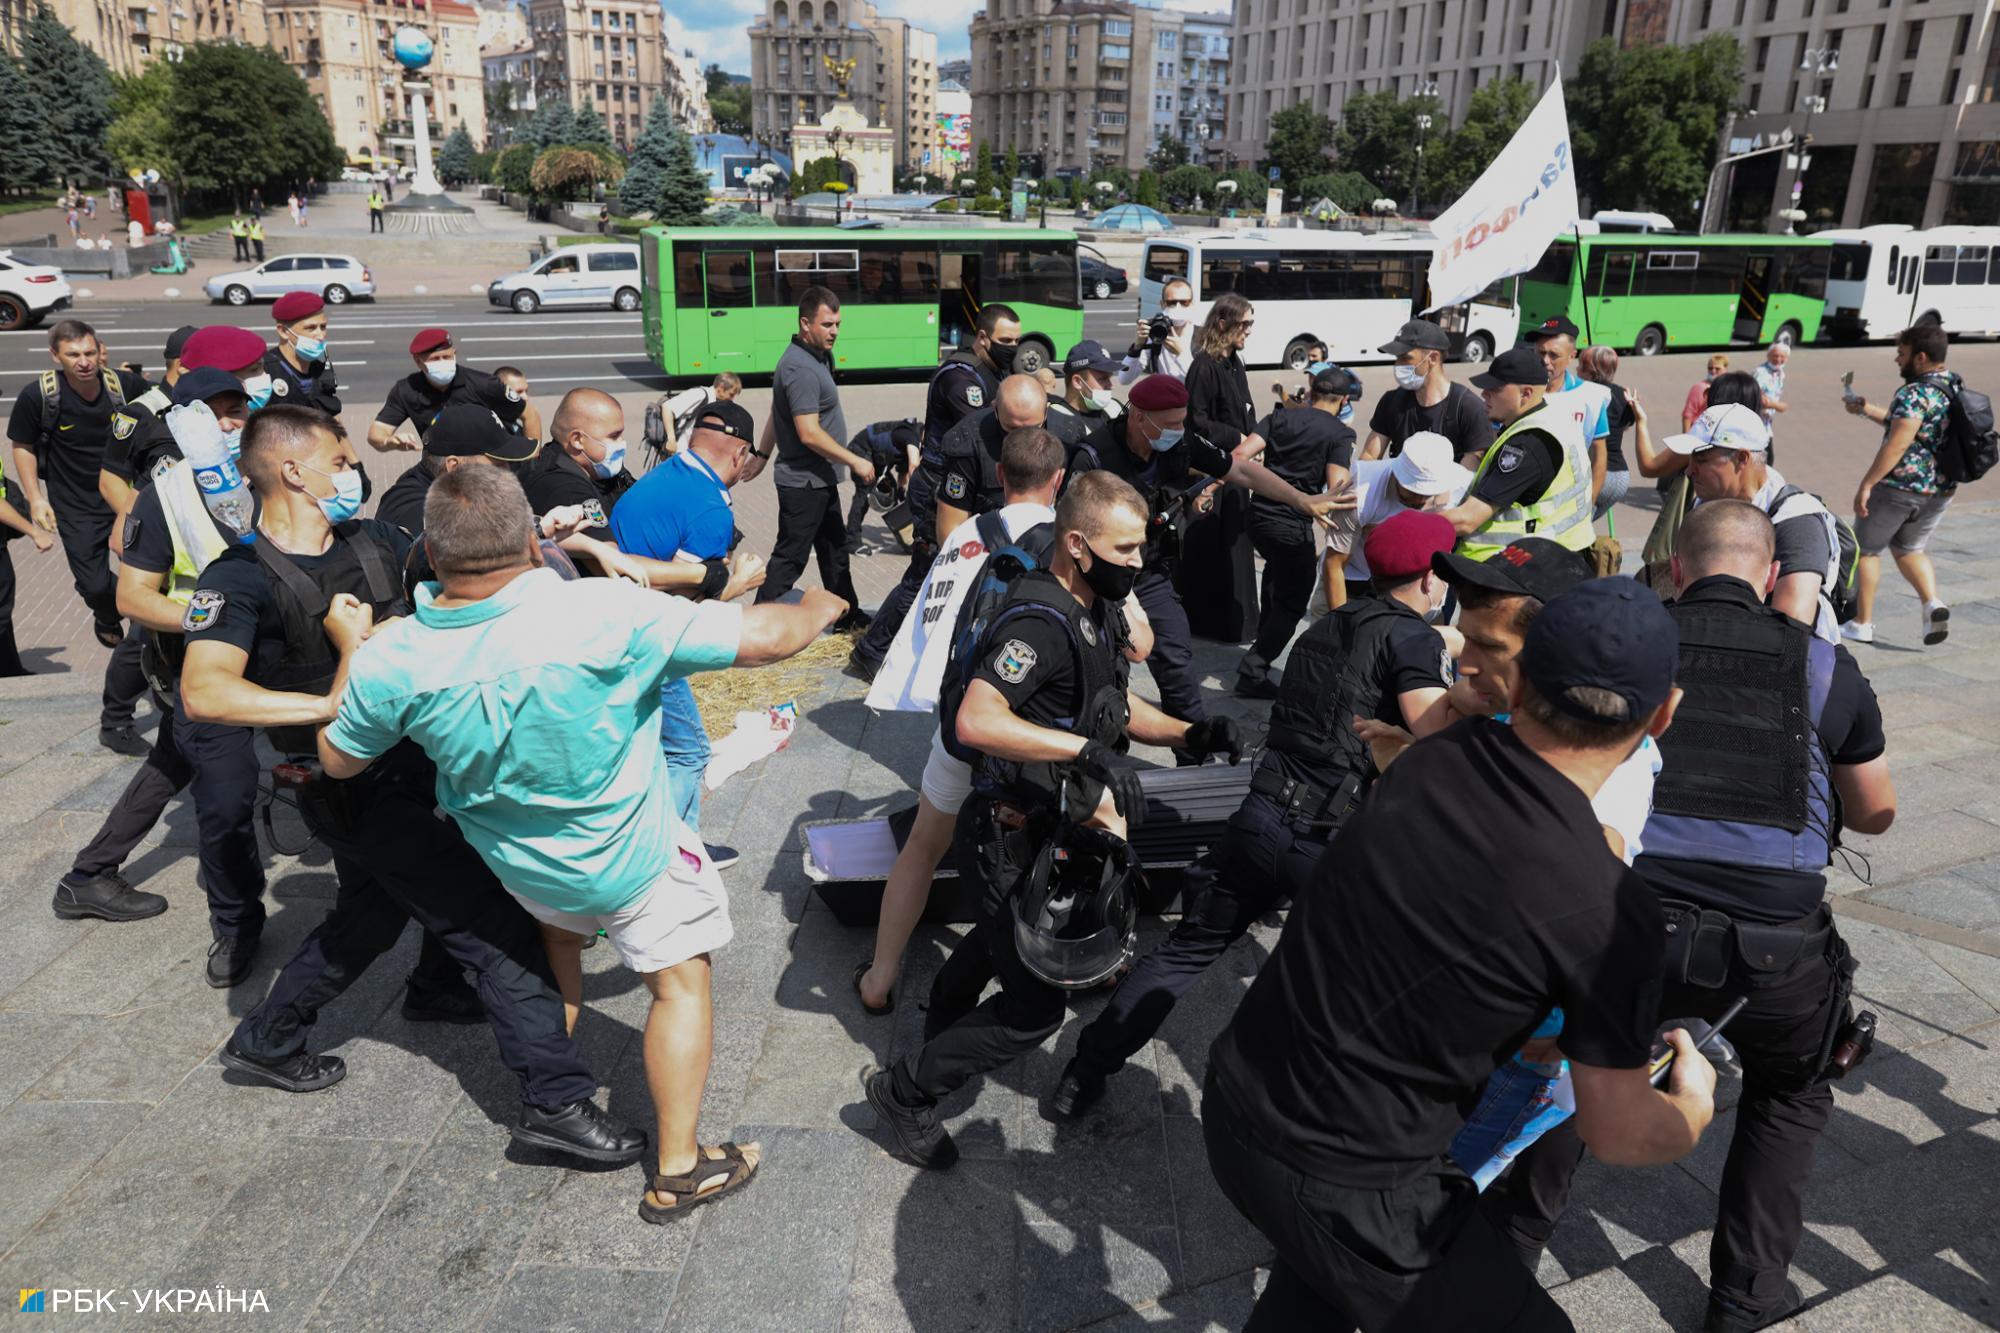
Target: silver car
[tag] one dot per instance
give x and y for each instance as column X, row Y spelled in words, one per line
column 334, row 277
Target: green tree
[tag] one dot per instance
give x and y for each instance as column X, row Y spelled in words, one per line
column 1010, row 171
column 1377, row 137
column 1299, row 139
column 1453, row 160
column 554, row 122
column 1644, row 122
column 568, row 171
column 482, row 165
column 27, row 158
column 589, row 128
column 1184, row 184
column 728, row 102
column 1166, row 155
column 75, row 107
column 514, row 172
column 241, row 117
column 142, row 135
column 984, row 178
column 682, row 192
column 504, row 116
column 639, row 192
column 1350, row 191
column 816, row 175
column 454, row 161
column 1146, row 188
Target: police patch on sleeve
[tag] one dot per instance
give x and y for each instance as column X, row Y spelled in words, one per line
column 202, row 610
column 593, row 514
column 1089, row 632
column 1014, row 662
column 954, row 487
column 131, row 531
column 975, row 396
column 1444, row 666
column 122, row 426
column 1510, row 457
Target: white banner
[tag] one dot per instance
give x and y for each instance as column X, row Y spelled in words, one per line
column 1520, row 203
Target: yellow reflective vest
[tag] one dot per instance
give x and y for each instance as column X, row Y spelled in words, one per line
column 196, row 540
column 1562, row 514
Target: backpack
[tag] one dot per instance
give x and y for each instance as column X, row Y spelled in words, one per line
column 1006, row 561
column 51, row 383
column 1840, row 593
column 1970, row 446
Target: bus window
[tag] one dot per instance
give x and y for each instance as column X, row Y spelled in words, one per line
column 1164, row 262
column 728, row 278
column 1719, row 272
column 1971, row 264
column 1993, row 273
column 1939, row 263
column 1666, row 273
column 1224, row 270
column 687, row 277
column 1808, row 273
column 1035, row 274
column 836, row 270
column 1850, row 263
column 1614, row 272
column 1554, row 265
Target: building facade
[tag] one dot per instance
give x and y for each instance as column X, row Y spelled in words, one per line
column 951, row 149
column 1910, row 129
column 341, row 49
column 128, row 35
column 894, row 83
column 1190, row 95
column 613, row 55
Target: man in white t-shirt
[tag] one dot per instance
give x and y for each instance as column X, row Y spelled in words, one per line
column 1584, row 401
column 1425, row 475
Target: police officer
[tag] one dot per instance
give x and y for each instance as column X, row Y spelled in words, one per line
column 1745, row 814
column 300, row 367
column 970, row 482
column 1311, row 447
column 438, row 381
column 115, row 478
column 142, row 443
column 14, row 524
column 967, row 381
column 1154, row 453
column 1534, row 479
column 271, row 626
column 256, row 235
column 60, row 426
column 1375, row 657
column 461, row 434
column 375, row 205
column 893, row 447
column 1086, row 415
column 239, row 232
column 1046, row 709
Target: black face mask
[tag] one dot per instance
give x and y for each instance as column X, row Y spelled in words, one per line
column 1002, row 356
column 1111, row 582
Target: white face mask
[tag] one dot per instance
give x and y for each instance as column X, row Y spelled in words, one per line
column 441, row 373
column 1409, row 377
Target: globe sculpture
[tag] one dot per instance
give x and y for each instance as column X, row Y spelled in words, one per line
column 413, row 49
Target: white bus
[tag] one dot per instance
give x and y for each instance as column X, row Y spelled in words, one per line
column 1886, row 278
column 1349, row 290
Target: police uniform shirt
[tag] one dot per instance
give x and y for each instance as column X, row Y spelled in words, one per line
column 881, row 436
column 233, row 601
column 312, row 387
column 972, row 464
column 553, row 479
column 1416, row 659
column 83, row 429
column 1085, row 436
column 148, row 541
column 142, row 451
column 1030, row 661
column 1300, row 443
column 1528, row 462
column 1393, row 995
column 414, row 399
column 962, row 386
column 1460, row 416
column 403, row 503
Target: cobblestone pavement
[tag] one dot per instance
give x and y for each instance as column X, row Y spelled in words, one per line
column 397, row 1200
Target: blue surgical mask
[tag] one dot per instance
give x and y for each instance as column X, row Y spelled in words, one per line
column 345, row 502
column 614, row 460
column 312, row 349
column 441, row 373
column 1347, row 412
column 258, row 390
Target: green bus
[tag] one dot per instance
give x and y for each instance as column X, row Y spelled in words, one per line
column 726, row 298
column 1657, row 292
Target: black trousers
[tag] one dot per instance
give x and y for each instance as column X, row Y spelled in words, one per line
column 84, row 537
column 161, row 777
column 223, row 764
column 1261, row 860
column 10, row 651
column 1291, row 567
column 400, row 861
column 242, row 246
column 1781, row 1037
column 1172, row 659
column 260, row 248
column 809, row 523
column 375, row 220
column 978, row 1036
column 1414, row 1258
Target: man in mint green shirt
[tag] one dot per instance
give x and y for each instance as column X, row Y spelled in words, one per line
column 539, row 701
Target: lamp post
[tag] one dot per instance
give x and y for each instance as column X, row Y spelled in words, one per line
column 1819, row 64
column 1426, row 89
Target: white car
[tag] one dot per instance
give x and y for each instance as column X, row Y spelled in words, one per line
column 334, row 277
column 356, row 174
column 29, row 293
column 590, row 275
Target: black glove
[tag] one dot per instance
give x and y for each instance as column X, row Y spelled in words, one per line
column 1215, row 735
column 1096, row 762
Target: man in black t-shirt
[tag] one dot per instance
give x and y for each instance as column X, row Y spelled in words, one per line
column 460, row 435
column 59, row 428
column 1424, row 399
column 969, row 482
column 584, row 465
column 1475, row 891
column 893, row 447
column 1745, row 813
column 437, row 382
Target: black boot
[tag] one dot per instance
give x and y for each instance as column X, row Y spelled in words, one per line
column 10, row 655
column 582, row 1129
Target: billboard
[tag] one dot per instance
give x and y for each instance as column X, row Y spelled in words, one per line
column 954, row 139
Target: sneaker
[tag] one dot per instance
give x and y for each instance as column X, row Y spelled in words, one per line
column 924, row 1141
column 107, row 896
column 1937, row 623
column 229, row 960
column 304, row 1072
column 1076, row 1092
column 719, row 856
column 1860, row 631
column 124, row 740
column 581, row 1129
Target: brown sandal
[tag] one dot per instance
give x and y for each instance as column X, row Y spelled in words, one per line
column 687, row 1190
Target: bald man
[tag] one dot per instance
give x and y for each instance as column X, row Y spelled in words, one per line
column 971, row 481
column 584, row 464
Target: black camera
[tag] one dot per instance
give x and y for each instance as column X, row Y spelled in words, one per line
column 1157, row 328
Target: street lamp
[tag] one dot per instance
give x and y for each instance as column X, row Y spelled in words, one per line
column 1426, row 89
column 1819, row 64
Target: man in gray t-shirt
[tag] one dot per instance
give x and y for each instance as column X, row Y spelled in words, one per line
column 807, row 428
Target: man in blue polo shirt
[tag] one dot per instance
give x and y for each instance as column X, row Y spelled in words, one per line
column 681, row 511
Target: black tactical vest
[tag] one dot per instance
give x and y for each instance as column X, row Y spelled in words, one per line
column 360, row 565
column 1335, row 674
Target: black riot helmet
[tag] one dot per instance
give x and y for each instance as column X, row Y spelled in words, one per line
column 1076, row 917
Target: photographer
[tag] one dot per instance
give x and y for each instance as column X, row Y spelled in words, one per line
column 1162, row 347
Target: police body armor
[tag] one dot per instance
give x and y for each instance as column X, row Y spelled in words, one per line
column 940, row 415
column 1746, row 778
column 361, row 565
column 1101, row 714
column 1314, row 765
column 1562, row 515
column 315, row 386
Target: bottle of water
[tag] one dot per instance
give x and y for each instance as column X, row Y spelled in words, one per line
column 216, row 475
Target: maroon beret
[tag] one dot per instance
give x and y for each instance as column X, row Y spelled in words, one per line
column 1158, row 393
column 1404, row 545
column 223, row 346
column 429, row 340
column 295, row 306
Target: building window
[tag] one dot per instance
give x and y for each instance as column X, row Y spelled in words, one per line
column 1964, row 35
column 1763, row 53
column 1913, row 38
column 1902, row 90
column 596, row 18
column 1875, row 45
column 1770, row 11
column 1867, row 92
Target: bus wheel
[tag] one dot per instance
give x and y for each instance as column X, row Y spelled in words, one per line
column 1789, row 334
column 1652, row 341
column 1299, row 355
column 1032, row 356
column 1479, row 347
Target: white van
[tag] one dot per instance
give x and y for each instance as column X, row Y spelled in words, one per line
column 589, row 275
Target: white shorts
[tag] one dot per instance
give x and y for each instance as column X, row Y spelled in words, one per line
column 947, row 781
column 683, row 915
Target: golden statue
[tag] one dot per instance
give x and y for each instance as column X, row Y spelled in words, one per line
column 840, row 70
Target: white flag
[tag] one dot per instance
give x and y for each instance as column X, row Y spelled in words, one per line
column 1520, row 203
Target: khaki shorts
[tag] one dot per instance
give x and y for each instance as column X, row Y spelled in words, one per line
column 683, row 915
column 946, row 781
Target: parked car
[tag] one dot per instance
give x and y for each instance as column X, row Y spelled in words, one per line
column 335, row 277
column 361, row 174
column 29, row 293
column 604, row 274
column 1100, row 279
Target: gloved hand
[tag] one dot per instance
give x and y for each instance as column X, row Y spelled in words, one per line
column 1215, row 735
column 1096, row 762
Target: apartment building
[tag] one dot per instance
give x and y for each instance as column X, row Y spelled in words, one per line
column 1909, row 130
column 895, row 79
column 612, row 54
column 341, row 49
column 129, row 34
column 1190, row 93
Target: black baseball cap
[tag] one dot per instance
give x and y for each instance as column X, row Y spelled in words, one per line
column 203, row 384
column 1516, row 365
column 730, row 419
column 1089, row 355
column 1530, row 567
column 1336, row 382
column 1555, row 326
column 178, row 339
column 1418, row 334
column 466, row 430
column 1607, row 634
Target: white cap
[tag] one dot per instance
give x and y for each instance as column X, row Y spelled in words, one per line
column 1428, row 465
column 1727, row 426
